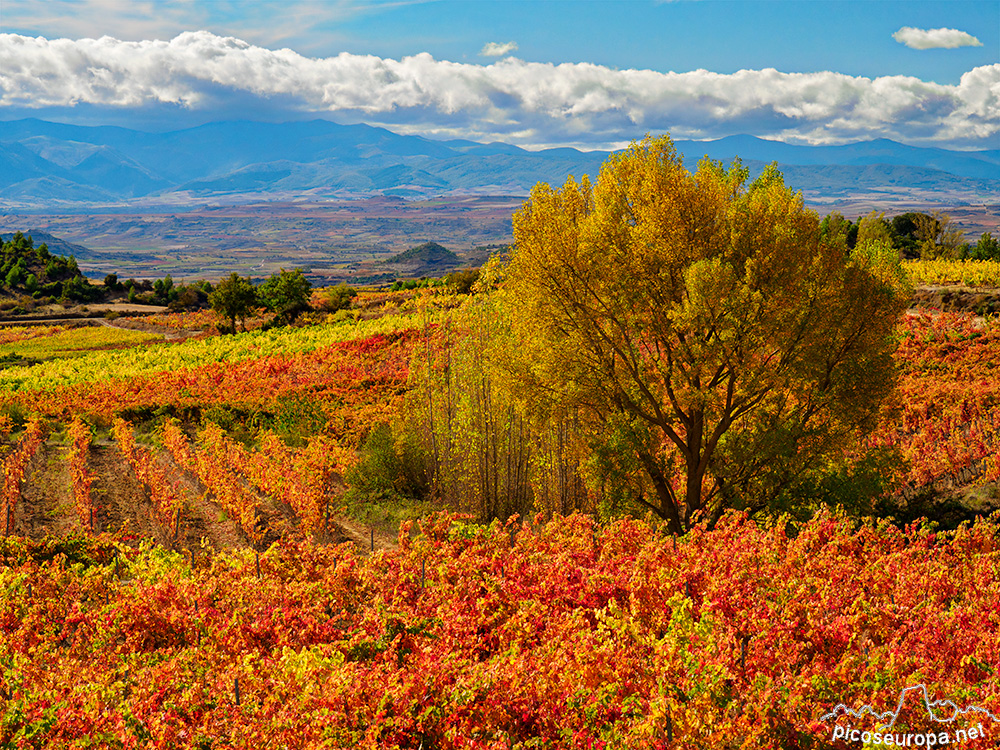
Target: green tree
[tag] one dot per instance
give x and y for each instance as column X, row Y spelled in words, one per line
column 987, row 248
column 834, row 225
column 461, row 282
column 701, row 325
column 164, row 290
column 234, row 298
column 937, row 237
column 286, row 294
column 15, row 276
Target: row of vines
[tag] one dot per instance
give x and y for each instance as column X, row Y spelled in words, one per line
column 945, row 425
column 565, row 634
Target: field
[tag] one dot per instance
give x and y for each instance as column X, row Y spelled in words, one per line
column 334, row 240
column 184, row 565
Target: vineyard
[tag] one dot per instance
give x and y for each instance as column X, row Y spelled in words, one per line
column 565, row 634
column 182, row 566
column 104, row 444
column 965, row 272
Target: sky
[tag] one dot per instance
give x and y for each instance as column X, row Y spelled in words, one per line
column 589, row 74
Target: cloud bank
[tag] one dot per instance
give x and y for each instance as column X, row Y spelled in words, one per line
column 935, row 38
column 529, row 104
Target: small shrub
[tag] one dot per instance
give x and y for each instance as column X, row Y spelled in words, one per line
column 338, row 297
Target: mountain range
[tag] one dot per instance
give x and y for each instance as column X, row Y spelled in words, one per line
column 46, row 165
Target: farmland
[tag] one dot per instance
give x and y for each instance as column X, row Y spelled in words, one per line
column 189, row 561
column 335, row 240
column 481, row 376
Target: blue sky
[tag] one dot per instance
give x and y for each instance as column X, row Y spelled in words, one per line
column 591, row 74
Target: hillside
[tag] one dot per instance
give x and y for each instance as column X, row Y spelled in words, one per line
column 260, row 490
column 427, row 259
column 30, row 269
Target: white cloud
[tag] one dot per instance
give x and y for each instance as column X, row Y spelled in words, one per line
column 496, row 49
column 301, row 23
column 935, row 38
column 509, row 100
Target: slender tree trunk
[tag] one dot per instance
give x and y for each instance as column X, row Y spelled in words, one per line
column 666, row 506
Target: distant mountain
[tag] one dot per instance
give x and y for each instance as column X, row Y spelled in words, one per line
column 975, row 164
column 46, row 165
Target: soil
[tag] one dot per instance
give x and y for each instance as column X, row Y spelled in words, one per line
column 361, row 535
column 46, row 504
column 127, row 308
column 204, row 524
column 122, row 501
column 956, row 298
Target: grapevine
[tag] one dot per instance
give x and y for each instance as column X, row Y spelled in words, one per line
column 82, row 476
column 168, row 501
column 14, row 467
column 222, row 482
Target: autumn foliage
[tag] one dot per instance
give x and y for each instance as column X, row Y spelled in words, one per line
column 556, row 630
column 700, row 324
column 566, row 634
column 14, row 467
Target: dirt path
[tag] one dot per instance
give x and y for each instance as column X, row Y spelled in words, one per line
column 361, row 535
column 122, row 501
column 204, row 522
column 46, row 504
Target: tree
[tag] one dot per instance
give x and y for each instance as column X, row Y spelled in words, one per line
column 937, row 237
column 702, row 325
column 987, row 248
column 461, row 282
column 15, row 276
column 233, row 298
column 834, row 225
column 286, row 294
column 338, row 297
column 164, row 290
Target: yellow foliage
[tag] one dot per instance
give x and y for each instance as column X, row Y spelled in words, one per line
column 985, row 273
column 703, row 319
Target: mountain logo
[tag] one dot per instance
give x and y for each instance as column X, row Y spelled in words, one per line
column 940, row 711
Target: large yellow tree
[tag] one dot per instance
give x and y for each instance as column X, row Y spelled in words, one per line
column 719, row 347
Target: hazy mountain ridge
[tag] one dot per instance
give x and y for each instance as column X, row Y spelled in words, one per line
column 44, row 164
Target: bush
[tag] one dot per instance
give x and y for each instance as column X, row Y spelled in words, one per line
column 461, row 282
column 338, row 297
column 297, row 418
column 386, row 470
